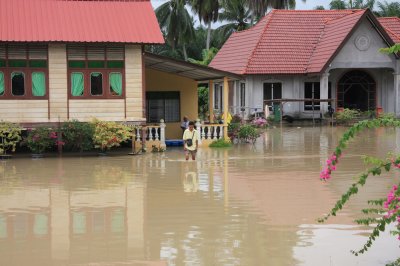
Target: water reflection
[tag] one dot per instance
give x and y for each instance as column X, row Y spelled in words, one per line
column 252, row 205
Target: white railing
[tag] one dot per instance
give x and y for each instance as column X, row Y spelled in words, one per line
column 210, row 132
column 151, row 133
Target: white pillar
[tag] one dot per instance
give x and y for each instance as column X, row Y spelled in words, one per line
column 198, row 129
column 162, row 134
column 324, row 81
column 397, row 93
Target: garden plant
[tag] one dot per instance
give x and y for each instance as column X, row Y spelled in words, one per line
column 40, row 139
column 109, row 134
column 78, row 136
column 10, row 135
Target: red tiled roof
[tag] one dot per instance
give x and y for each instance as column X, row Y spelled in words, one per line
column 237, row 50
column 288, row 42
column 123, row 21
column 392, row 27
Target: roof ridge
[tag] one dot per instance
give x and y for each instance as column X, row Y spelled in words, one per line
column 270, row 14
column 315, row 46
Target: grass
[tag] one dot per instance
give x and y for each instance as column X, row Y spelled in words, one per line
column 221, row 144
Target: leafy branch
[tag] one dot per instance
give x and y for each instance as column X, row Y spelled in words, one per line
column 391, row 204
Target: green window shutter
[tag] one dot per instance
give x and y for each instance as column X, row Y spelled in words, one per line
column 96, row 64
column 115, row 64
column 116, row 83
column 38, row 84
column 76, row 64
column 17, row 63
column 38, row 63
column 1, row 83
column 2, row 63
column 77, row 82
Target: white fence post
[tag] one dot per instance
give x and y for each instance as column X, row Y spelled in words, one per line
column 162, row 134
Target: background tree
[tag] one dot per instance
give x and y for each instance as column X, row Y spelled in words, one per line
column 337, row 4
column 386, row 9
column 319, row 8
column 208, row 11
column 176, row 24
column 352, row 4
column 236, row 15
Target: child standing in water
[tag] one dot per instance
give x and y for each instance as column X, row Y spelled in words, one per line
column 190, row 141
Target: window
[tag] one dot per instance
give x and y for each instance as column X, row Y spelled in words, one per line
column 96, row 83
column 115, row 84
column 242, row 94
column 1, row 83
column 218, row 96
column 96, row 71
column 18, row 83
column 38, row 84
column 163, row 105
column 77, row 81
column 272, row 91
column 312, row 90
column 23, row 71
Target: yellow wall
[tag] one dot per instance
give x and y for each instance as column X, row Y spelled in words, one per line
column 161, row 81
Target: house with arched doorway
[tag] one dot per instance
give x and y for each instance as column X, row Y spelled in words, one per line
column 313, row 54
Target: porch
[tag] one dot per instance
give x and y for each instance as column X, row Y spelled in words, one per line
column 171, row 92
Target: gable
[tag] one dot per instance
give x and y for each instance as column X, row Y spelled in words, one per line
column 361, row 50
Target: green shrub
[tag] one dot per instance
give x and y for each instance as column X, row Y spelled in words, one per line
column 78, row 136
column 248, row 133
column 387, row 116
column 221, row 143
column 347, row 115
column 10, row 135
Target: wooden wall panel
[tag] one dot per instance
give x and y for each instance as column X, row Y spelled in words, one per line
column 133, row 73
column 58, row 96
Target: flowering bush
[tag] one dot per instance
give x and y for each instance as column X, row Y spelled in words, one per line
column 260, row 122
column 10, row 135
column 109, row 134
column 389, row 206
column 78, row 135
column 40, row 139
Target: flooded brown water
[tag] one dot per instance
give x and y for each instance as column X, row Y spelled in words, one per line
column 248, row 205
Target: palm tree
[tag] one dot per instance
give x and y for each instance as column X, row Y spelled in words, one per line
column 260, row 7
column 361, row 4
column 176, row 23
column 352, row 4
column 389, row 9
column 337, row 4
column 207, row 10
column 236, row 14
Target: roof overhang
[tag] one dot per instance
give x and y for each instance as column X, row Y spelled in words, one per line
column 186, row 69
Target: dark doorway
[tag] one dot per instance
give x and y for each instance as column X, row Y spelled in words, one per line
column 357, row 90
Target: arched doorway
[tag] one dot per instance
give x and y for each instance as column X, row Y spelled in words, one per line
column 357, row 90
